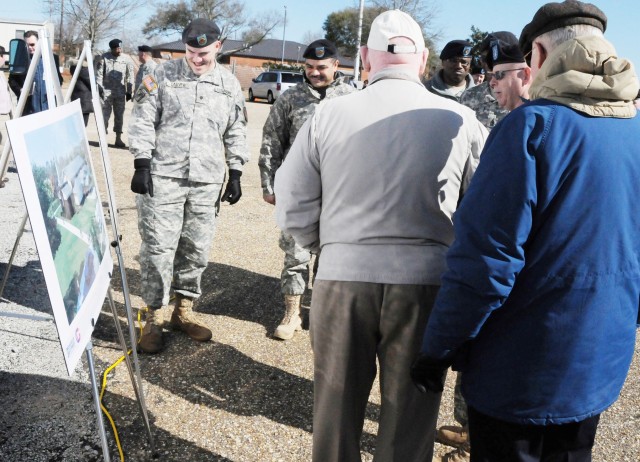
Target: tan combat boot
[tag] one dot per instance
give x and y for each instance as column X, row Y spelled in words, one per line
column 292, row 320
column 119, row 143
column 151, row 338
column 184, row 318
column 453, row 435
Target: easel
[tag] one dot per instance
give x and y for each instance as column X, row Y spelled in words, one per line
column 54, row 97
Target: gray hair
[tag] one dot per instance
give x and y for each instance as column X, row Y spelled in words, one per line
column 550, row 40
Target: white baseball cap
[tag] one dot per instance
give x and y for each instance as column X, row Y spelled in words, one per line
column 395, row 23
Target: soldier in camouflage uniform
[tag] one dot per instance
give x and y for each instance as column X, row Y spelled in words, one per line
column 501, row 55
column 188, row 119
column 147, row 64
column 287, row 115
column 114, row 77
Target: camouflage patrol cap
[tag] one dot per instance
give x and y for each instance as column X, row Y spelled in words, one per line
column 556, row 15
column 320, row 49
column 200, row 33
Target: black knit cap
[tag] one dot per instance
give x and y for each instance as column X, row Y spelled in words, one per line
column 200, row 33
column 556, row 15
column 456, row 48
column 320, row 49
column 115, row 43
column 145, row 49
column 499, row 48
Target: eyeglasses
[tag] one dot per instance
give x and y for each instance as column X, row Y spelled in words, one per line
column 499, row 75
column 527, row 57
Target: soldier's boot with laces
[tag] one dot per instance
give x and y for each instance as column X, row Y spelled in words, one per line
column 184, row 319
column 119, row 143
column 292, row 320
column 151, row 338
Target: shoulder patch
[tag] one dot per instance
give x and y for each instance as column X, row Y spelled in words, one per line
column 149, row 83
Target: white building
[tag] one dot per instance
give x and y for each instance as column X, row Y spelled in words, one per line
column 15, row 28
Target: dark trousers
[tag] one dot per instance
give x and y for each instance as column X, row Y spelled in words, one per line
column 494, row 440
column 353, row 324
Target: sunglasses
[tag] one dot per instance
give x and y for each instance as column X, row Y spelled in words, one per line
column 499, row 75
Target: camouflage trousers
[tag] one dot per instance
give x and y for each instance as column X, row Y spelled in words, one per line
column 459, row 404
column 295, row 273
column 117, row 102
column 177, row 226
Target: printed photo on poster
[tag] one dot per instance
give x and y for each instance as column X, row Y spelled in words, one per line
column 59, row 186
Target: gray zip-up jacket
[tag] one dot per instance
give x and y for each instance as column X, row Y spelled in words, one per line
column 373, row 179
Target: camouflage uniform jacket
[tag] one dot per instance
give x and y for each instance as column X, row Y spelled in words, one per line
column 145, row 69
column 288, row 114
column 482, row 101
column 439, row 87
column 115, row 74
column 188, row 124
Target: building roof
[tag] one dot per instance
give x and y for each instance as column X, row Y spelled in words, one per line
column 267, row 49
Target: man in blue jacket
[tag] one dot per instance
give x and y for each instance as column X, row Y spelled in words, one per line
column 539, row 303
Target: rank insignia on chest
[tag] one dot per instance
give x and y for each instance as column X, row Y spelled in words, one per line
column 149, row 83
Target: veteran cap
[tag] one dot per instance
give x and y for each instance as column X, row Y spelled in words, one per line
column 115, row 43
column 456, row 49
column 391, row 24
column 200, row 33
column 320, row 49
column 145, row 49
column 556, row 15
column 499, row 48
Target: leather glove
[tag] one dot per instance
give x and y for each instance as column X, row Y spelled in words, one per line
column 101, row 92
column 128, row 96
column 429, row 374
column 233, row 192
column 141, row 182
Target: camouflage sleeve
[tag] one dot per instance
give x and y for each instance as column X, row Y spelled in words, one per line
column 130, row 77
column 235, row 137
column 275, row 140
column 99, row 71
column 145, row 117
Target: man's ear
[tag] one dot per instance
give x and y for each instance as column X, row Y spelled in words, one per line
column 542, row 53
column 364, row 53
column 423, row 61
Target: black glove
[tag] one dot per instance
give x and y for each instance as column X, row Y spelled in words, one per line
column 101, row 92
column 429, row 374
column 141, row 182
column 233, row 192
column 128, row 96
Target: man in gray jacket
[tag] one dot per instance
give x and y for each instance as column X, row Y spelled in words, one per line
column 373, row 179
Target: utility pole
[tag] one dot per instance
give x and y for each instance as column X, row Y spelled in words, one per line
column 284, row 31
column 356, row 66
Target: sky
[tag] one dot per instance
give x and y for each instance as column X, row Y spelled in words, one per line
column 454, row 19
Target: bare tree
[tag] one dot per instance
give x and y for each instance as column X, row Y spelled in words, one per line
column 94, row 19
column 171, row 18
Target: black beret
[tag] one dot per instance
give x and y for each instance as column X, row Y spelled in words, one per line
column 320, row 49
column 200, row 33
column 500, row 48
column 115, row 43
column 476, row 68
column 456, row 48
column 556, row 15
column 145, row 49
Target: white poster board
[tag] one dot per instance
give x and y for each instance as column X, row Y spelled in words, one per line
column 58, row 182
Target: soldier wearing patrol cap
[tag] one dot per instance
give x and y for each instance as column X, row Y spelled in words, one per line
column 453, row 79
column 188, row 121
column 287, row 115
column 114, row 77
column 147, row 64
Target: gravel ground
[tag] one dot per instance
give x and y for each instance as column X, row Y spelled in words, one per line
column 241, row 397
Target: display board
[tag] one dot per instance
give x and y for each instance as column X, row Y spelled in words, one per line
column 59, row 185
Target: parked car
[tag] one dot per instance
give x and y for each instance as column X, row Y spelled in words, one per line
column 271, row 84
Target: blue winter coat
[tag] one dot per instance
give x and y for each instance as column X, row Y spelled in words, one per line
column 540, row 299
